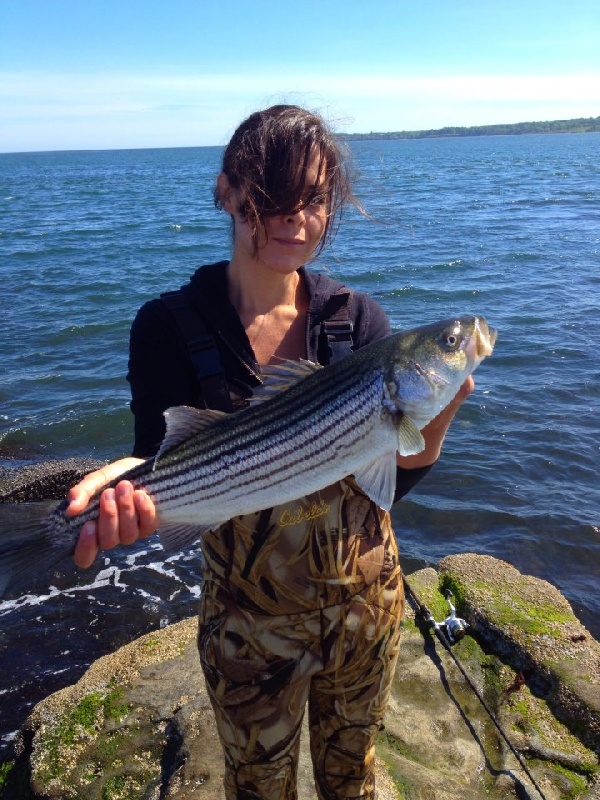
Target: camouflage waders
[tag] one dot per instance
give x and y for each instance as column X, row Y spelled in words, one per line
column 301, row 604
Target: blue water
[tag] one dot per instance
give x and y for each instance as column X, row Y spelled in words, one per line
column 507, row 227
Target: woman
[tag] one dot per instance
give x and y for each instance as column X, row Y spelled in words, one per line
column 299, row 604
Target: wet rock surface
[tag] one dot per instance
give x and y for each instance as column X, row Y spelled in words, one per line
column 47, row 480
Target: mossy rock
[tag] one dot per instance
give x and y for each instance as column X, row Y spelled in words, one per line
column 532, row 628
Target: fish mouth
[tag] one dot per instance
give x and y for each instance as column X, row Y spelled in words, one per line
column 485, row 338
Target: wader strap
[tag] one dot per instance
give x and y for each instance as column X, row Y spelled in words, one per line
column 202, row 349
column 338, row 327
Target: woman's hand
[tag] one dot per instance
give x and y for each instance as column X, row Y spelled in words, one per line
column 435, row 431
column 126, row 514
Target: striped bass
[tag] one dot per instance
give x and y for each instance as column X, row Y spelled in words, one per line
column 307, row 428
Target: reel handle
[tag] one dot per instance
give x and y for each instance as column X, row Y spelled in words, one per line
column 456, row 627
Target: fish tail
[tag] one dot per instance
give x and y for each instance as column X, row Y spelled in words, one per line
column 27, row 548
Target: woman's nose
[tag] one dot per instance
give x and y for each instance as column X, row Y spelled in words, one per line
column 297, row 216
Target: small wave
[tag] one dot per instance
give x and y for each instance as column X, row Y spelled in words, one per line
column 119, row 572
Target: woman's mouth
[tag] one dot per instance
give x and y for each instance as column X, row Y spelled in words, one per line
column 290, row 242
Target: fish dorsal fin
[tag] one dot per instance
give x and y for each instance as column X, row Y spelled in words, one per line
column 183, row 422
column 278, row 377
column 378, row 480
column 410, row 438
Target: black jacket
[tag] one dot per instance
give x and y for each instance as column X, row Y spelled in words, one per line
column 162, row 375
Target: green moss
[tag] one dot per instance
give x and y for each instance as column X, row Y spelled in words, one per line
column 76, row 728
column 84, row 716
column 531, row 715
column 577, row 783
column 5, row 769
column 114, row 707
column 430, row 596
column 89, row 773
column 111, row 744
column 124, row 787
column 404, row 788
column 392, row 744
column 114, row 787
column 533, row 618
column 468, row 649
column 458, row 589
column 89, row 714
column 492, row 682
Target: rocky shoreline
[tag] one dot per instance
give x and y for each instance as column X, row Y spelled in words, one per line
column 138, row 724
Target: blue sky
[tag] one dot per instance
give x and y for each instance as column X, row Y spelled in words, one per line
column 93, row 74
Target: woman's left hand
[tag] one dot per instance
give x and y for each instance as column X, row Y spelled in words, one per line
column 126, row 514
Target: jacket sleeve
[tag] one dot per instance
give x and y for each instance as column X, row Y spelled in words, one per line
column 160, row 374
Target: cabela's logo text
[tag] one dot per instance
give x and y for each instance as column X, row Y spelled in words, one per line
column 302, row 514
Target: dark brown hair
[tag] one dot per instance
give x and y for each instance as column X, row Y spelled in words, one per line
column 268, row 157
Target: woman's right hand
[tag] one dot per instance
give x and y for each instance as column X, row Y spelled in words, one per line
column 126, row 514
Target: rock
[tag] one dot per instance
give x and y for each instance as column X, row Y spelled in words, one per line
column 138, row 725
column 527, row 622
column 47, row 480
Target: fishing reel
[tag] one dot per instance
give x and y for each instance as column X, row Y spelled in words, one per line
column 456, row 627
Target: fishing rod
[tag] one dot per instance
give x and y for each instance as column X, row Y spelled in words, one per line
column 450, row 631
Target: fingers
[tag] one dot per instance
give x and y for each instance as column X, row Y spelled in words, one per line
column 466, row 389
column 462, row 394
column 107, row 529
column 86, row 548
column 102, row 534
column 126, row 515
column 80, row 495
column 122, row 526
column 146, row 513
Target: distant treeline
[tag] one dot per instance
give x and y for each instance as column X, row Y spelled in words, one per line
column 582, row 125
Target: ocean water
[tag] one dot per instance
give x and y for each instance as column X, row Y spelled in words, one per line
column 507, row 227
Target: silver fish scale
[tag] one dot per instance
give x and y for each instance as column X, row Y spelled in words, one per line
column 248, row 454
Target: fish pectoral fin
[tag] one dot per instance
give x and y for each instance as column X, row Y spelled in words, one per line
column 179, row 535
column 184, row 421
column 378, row 480
column 410, row 438
column 279, row 377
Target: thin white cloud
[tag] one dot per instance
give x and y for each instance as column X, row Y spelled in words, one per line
column 46, row 111
column 20, row 86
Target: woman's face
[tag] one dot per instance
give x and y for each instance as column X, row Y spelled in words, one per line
column 287, row 241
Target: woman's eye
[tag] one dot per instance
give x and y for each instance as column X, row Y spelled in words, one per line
column 317, row 200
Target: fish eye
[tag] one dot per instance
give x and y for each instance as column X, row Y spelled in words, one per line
column 452, row 338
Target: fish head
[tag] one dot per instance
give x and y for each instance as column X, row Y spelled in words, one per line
column 432, row 362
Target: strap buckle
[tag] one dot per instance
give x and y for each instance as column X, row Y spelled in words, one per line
column 339, row 338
